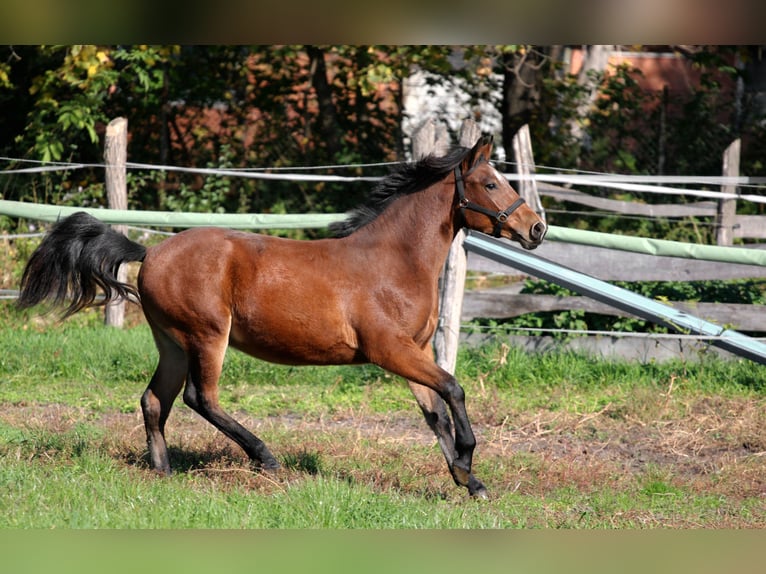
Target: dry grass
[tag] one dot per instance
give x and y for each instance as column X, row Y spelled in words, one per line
column 716, row 447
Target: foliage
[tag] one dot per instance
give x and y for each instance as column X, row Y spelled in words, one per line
column 633, row 131
column 617, row 124
column 217, row 106
column 69, row 96
column 59, row 100
column 296, row 105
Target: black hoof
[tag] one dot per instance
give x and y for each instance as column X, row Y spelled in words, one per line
column 476, row 489
column 269, row 467
column 463, row 477
column 480, row 494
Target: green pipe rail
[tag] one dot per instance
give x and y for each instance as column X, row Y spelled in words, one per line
column 479, row 243
column 319, row 220
column 660, row 247
column 172, row 218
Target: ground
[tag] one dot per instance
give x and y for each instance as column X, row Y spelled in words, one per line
column 716, row 449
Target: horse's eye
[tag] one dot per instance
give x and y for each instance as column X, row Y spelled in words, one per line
column 490, row 186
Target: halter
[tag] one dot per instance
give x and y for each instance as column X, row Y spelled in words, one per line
column 499, row 217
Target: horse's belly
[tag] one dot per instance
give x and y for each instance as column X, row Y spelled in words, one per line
column 296, row 346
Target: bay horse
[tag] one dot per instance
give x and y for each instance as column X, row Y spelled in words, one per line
column 366, row 295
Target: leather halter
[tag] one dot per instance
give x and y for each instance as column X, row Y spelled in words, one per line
column 499, row 217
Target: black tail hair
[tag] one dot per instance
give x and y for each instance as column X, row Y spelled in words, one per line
column 78, row 254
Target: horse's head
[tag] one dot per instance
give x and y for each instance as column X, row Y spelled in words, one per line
column 489, row 204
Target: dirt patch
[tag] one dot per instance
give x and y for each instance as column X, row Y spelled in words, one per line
column 718, row 447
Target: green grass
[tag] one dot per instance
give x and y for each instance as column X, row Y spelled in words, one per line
column 104, row 369
column 43, row 494
column 73, row 483
column 72, row 468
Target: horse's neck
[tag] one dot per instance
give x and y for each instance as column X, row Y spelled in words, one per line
column 419, row 226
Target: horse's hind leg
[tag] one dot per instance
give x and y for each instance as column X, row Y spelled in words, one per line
column 158, row 398
column 201, row 394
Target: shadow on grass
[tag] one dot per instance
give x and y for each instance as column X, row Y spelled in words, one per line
column 192, row 460
column 303, row 461
column 184, row 460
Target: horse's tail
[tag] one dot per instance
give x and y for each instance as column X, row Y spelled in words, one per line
column 78, row 255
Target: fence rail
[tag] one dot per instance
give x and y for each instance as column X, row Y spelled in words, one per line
column 497, row 304
column 601, row 255
column 627, row 301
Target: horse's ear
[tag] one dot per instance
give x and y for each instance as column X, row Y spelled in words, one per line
column 481, row 151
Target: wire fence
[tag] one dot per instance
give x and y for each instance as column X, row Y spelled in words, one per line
column 661, row 185
column 536, row 331
column 631, row 183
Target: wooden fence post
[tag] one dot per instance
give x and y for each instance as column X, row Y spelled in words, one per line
column 115, row 158
column 429, row 138
column 525, row 162
column 447, row 335
column 727, row 208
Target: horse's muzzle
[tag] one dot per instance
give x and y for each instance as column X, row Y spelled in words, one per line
column 536, row 234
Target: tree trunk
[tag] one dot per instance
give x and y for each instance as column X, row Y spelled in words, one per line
column 328, row 116
column 522, row 78
column 595, row 59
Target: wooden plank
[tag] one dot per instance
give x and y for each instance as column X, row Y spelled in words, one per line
column 698, row 209
column 613, row 265
column 641, row 349
column 743, row 226
column 447, row 336
column 500, row 304
column 525, row 164
column 429, row 138
column 749, row 226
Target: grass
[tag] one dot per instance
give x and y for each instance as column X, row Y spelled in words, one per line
column 74, row 482
column 44, row 489
column 565, row 441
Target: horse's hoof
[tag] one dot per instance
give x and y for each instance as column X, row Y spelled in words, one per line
column 477, row 490
column 270, row 467
column 480, row 494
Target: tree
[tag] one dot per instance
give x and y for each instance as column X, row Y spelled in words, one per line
column 329, row 126
column 295, row 105
column 522, row 68
column 71, row 88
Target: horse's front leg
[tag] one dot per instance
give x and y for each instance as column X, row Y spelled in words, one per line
column 431, row 385
column 465, row 442
column 436, row 415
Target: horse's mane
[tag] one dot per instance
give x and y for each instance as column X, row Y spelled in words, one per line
column 405, row 179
